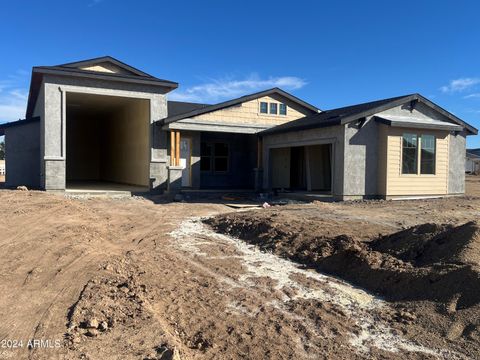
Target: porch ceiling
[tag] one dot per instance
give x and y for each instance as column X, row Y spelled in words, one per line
column 195, row 125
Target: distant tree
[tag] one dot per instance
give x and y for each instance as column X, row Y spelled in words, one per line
column 2, row 150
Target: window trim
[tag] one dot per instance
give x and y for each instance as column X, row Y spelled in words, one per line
column 270, row 108
column 419, row 156
column 212, row 158
column 260, row 108
column 434, row 155
column 268, row 113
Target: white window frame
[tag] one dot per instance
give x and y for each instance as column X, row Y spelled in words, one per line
column 419, row 156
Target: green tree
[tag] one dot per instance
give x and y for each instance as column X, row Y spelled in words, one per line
column 2, row 150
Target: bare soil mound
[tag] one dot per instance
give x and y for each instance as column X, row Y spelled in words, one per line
column 428, row 244
column 438, row 264
column 105, row 303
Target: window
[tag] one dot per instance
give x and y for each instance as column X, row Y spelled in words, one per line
column 409, row 154
column 273, row 108
column 214, row 157
column 427, row 162
column 221, row 157
column 205, row 157
column 263, row 108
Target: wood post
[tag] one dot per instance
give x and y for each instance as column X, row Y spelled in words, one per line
column 172, row 148
column 259, row 153
column 177, row 149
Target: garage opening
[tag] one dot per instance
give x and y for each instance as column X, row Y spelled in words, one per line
column 107, row 140
column 302, row 168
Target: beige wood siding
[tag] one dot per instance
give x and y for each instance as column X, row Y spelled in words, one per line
column 382, row 159
column 107, row 67
column 249, row 113
column 397, row 184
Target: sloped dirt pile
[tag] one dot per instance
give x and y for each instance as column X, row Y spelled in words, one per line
column 103, row 304
column 428, row 244
column 427, row 262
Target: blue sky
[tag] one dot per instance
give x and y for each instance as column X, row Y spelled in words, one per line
column 331, row 53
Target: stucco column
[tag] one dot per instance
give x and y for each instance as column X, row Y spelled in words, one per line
column 55, row 144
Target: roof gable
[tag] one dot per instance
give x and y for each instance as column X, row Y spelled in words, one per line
column 348, row 114
column 104, row 68
column 275, row 92
column 105, row 64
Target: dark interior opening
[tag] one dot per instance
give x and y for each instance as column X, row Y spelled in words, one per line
column 107, row 140
column 298, row 176
column 301, row 168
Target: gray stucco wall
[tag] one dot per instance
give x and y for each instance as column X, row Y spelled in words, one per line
column 356, row 152
column 53, row 124
column 334, row 135
column 456, row 163
column 420, row 111
column 22, row 145
column 361, row 159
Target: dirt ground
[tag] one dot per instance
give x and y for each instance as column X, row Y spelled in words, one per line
column 147, row 279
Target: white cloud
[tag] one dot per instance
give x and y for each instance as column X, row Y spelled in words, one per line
column 13, row 105
column 472, row 96
column 215, row 90
column 13, row 98
column 461, row 84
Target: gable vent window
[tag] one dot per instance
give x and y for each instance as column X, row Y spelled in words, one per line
column 263, row 108
column 273, row 108
column 411, row 156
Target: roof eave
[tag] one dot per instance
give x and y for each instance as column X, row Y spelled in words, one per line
column 380, row 108
column 418, row 97
column 17, row 123
column 274, row 130
column 103, row 76
column 412, row 124
column 107, row 58
column 239, row 100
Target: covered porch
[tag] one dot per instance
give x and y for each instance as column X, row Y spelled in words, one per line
column 213, row 160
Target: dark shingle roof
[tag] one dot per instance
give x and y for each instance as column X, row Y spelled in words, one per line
column 179, row 107
column 475, row 152
column 240, row 100
column 17, row 123
column 351, row 113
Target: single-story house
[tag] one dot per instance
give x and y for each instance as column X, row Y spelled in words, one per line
column 101, row 123
column 472, row 161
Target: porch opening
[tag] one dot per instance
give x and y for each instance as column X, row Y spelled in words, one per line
column 227, row 160
column 302, row 168
column 107, row 142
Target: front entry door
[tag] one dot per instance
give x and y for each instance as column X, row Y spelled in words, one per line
column 185, row 161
